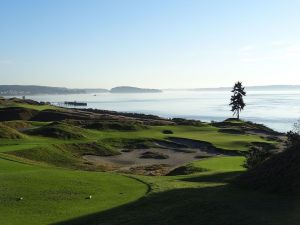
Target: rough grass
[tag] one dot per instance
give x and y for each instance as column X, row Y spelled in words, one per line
column 7, row 132
column 17, row 124
column 241, row 125
column 17, row 113
column 53, row 155
column 58, row 130
column 38, row 107
column 21, row 103
column 154, row 155
column 278, row 174
column 114, row 125
column 185, row 170
column 66, row 155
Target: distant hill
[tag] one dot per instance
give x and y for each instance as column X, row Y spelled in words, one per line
column 95, row 90
column 17, row 90
column 127, row 89
column 35, row 90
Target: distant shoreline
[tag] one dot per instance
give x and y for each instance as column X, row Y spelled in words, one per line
column 19, row 90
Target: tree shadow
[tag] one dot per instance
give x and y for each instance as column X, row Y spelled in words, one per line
column 218, row 205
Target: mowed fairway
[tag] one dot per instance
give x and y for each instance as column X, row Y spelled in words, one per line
column 51, row 195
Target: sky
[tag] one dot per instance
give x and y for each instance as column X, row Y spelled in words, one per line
column 150, row 44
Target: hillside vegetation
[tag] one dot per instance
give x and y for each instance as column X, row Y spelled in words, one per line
column 7, row 132
column 279, row 173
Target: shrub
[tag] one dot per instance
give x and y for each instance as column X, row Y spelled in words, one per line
column 167, row 132
column 293, row 139
column 256, row 156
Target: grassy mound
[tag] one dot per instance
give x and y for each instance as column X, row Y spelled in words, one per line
column 185, row 170
column 2, row 101
column 129, row 144
column 111, row 125
column 7, row 132
column 154, row 155
column 27, row 103
column 49, row 115
column 222, row 163
column 232, row 131
column 67, row 155
column 53, row 155
column 239, row 126
column 58, row 130
column 91, row 148
column 17, row 124
column 167, row 132
column 278, row 174
column 17, row 113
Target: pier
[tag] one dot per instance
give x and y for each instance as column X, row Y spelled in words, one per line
column 75, row 103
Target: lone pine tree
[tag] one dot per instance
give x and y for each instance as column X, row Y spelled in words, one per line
column 237, row 102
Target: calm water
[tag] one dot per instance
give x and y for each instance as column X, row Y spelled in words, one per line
column 279, row 109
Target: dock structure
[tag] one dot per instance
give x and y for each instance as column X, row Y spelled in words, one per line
column 75, row 103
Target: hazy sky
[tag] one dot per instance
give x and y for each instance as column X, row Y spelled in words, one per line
column 155, row 43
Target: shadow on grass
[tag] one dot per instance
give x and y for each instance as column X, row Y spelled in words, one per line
column 215, row 178
column 219, row 205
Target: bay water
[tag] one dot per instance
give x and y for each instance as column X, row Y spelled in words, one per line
column 276, row 109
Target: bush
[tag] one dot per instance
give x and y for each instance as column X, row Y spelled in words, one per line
column 278, row 174
column 167, row 132
column 181, row 121
column 293, row 136
column 256, row 156
column 293, row 139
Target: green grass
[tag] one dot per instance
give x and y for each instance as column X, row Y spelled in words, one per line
column 201, row 198
column 29, row 106
column 203, row 133
column 7, row 145
column 234, row 163
column 217, row 164
column 66, row 155
column 59, row 131
column 52, row 195
column 7, row 132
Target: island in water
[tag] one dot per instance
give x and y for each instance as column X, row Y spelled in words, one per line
column 128, row 89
